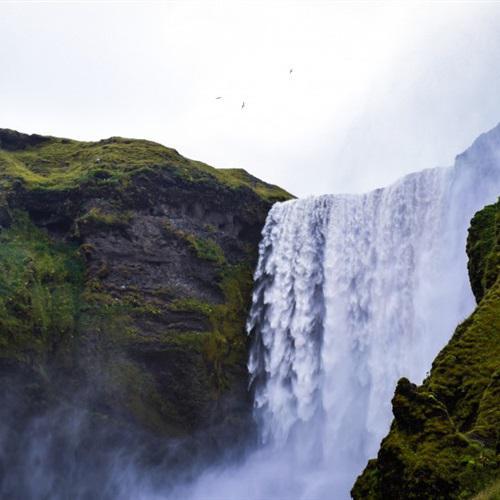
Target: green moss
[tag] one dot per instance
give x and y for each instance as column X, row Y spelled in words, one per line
column 185, row 339
column 131, row 388
column 191, row 305
column 99, row 218
column 64, row 164
column 40, row 285
column 207, row 249
column 237, row 177
column 492, row 492
column 483, row 249
column 224, row 346
column 61, row 164
column 445, row 439
column 210, row 228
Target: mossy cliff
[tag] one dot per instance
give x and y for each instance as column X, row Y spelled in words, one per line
column 444, row 442
column 126, row 269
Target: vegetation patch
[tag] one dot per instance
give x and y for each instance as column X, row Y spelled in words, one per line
column 207, row 249
column 224, row 347
column 191, row 305
column 492, row 492
column 237, row 178
column 483, row 251
column 100, row 218
column 131, row 387
column 40, row 285
column 61, row 164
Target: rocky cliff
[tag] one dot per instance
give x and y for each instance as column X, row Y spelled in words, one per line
column 125, row 278
column 444, row 442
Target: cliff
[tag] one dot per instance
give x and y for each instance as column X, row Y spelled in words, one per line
column 125, row 279
column 444, row 442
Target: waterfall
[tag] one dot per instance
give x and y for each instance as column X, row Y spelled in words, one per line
column 351, row 293
column 341, row 311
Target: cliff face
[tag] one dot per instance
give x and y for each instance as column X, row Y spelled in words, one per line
column 444, row 442
column 125, row 278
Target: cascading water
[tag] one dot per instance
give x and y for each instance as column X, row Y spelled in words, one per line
column 351, row 293
column 343, row 308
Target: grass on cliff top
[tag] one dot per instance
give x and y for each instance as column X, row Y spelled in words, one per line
column 237, row 177
column 64, row 164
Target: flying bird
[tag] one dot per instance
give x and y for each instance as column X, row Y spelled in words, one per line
column 291, row 71
column 220, row 97
column 242, row 104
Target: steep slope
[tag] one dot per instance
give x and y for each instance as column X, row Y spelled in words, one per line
column 444, row 442
column 126, row 268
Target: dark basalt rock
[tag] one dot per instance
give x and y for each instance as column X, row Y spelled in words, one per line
column 10, row 140
column 125, row 280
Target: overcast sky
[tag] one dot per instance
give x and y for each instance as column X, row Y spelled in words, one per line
column 377, row 89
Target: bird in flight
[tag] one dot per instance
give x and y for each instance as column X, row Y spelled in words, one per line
column 242, row 104
column 220, row 97
column 291, row 71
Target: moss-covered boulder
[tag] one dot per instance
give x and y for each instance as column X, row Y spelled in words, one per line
column 444, row 442
column 126, row 269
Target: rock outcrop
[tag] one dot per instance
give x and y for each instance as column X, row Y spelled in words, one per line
column 444, row 442
column 125, row 279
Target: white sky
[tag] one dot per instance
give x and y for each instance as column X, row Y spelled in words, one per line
column 377, row 89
